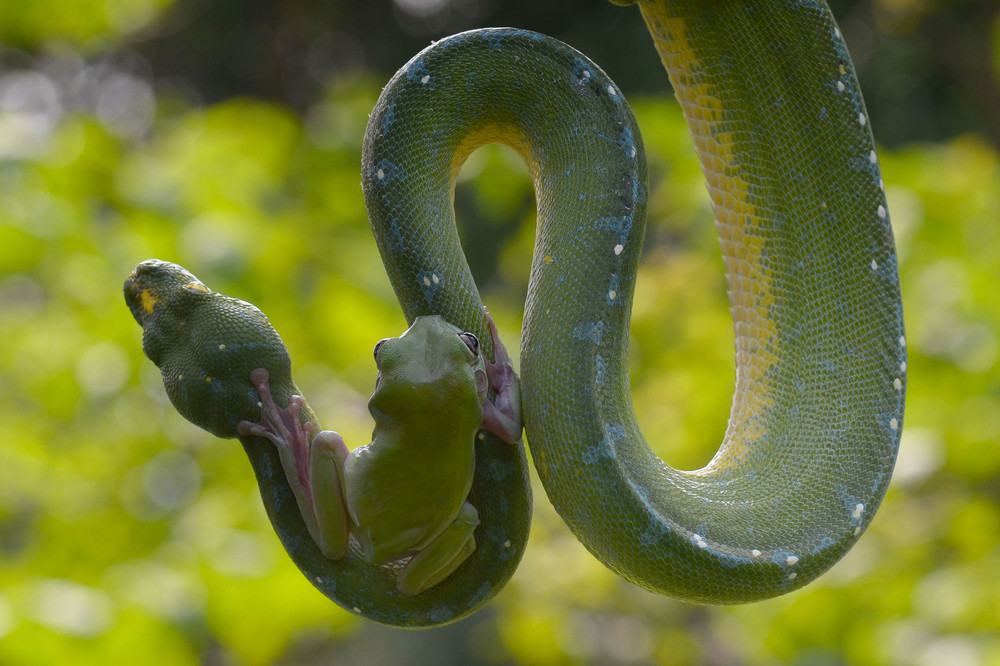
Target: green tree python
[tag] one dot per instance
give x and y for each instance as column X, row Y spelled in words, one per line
column 777, row 118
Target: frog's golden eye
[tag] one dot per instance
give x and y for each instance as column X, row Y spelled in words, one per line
column 197, row 286
column 471, row 341
column 378, row 345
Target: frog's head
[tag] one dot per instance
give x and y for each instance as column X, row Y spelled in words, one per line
column 154, row 283
column 431, row 365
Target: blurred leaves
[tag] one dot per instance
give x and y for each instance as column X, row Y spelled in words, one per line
column 90, row 23
column 124, row 531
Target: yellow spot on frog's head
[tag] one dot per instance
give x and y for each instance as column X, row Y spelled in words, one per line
column 148, row 301
column 197, row 286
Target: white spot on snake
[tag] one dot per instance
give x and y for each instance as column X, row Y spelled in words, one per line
column 862, row 119
column 482, row 436
column 506, row 544
column 894, row 424
column 755, row 552
column 356, row 610
column 222, row 347
column 612, row 91
column 857, row 530
column 791, row 560
column 836, row 32
column 881, row 185
column 902, row 366
column 896, row 384
column 840, row 86
column 434, row 278
column 858, row 510
column 586, row 73
column 699, row 541
column 380, row 174
column 425, row 78
column 902, row 341
column 792, row 576
column 618, row 249
column 872, row 157
column 612, row 290
column 874, row 265
column 881, row 212
column 427, row 281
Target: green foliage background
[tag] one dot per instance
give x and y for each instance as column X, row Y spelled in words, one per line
column 129, row 536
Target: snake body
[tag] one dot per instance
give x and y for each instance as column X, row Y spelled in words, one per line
column 778, row 120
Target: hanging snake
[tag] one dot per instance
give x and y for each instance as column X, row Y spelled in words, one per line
column 777, row 117
column 778, row 121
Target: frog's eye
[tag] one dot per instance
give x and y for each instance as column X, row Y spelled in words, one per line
column 471, row 341
column 378, row 345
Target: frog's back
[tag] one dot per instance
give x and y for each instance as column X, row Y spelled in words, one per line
column 400, row 498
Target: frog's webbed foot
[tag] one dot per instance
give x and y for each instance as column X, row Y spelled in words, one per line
column 283, row 427
column 312, row 465
column 502, row 417
column 290, row 436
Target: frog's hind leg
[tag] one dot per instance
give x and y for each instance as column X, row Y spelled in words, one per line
column 442, row 556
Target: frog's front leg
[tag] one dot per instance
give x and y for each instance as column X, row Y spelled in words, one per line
column 438, row 559
column 503, row 418
column 313, row 466
column 326, row 473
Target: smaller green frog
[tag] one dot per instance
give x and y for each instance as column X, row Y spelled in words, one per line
column 404, row 494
